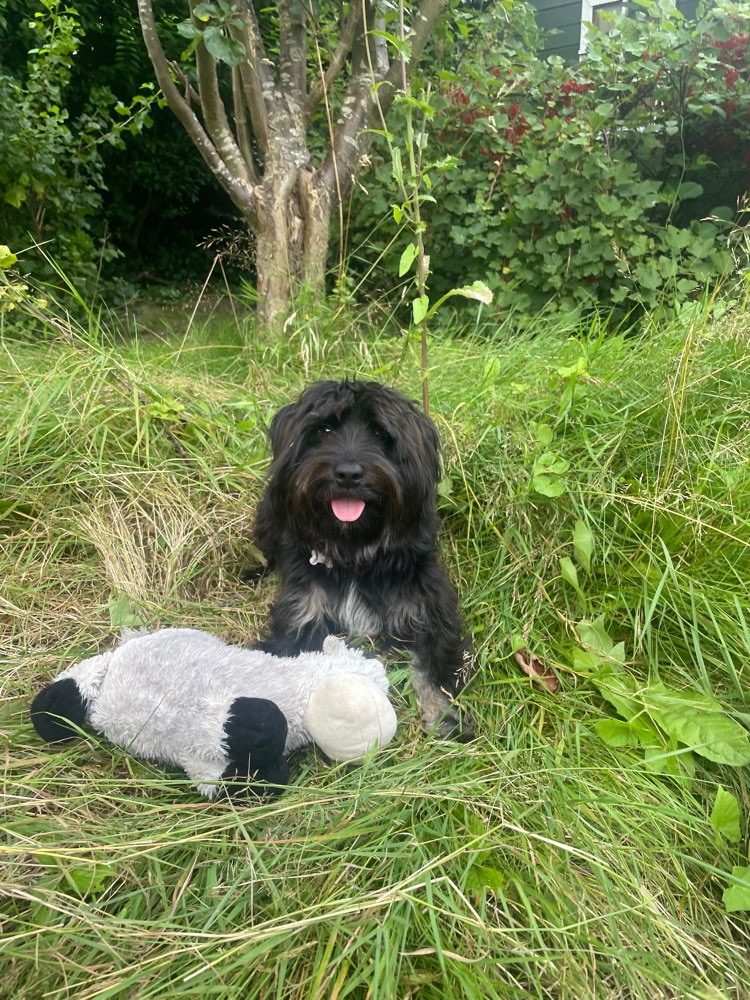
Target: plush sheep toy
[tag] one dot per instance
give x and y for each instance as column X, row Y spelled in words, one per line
column 184, row 698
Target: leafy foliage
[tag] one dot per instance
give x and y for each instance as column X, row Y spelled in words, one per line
column 51, row 176
column 211, row 24
column 593, row 185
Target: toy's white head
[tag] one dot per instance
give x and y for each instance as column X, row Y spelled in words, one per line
column 347, row 715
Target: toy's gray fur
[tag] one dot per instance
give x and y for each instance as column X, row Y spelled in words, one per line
column 166, row 695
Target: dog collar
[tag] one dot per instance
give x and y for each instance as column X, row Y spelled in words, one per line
column 320, row 559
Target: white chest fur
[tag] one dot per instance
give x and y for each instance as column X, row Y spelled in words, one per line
column 347, row 612
column 355, row 616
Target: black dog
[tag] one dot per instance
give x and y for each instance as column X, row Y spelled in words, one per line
column 348, row 519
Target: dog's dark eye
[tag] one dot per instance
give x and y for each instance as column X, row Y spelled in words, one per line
column 381, row 434
column 325, row 429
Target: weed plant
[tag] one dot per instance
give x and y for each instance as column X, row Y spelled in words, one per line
column 537, row 861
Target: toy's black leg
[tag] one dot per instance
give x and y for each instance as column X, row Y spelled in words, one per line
column 59, row 711
column 255, row 734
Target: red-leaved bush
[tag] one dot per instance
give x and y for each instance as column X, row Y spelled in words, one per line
column 613, row 183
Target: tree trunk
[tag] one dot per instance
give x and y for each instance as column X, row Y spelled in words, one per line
column 292, row 228
column 317, row 204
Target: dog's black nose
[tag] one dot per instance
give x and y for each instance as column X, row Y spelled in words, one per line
column 348, row 473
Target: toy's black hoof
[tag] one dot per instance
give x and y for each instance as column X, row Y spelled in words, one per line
column 59, row 711
column 255, row 735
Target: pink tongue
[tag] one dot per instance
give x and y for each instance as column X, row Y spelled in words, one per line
column 347, row 509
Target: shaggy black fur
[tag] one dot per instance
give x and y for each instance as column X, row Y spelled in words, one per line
column 341, row 448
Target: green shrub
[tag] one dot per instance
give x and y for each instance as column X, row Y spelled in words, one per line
column 51, row 168
column 610, row 184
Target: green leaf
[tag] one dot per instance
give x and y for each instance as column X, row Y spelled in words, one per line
column 15, row 196
column 205, row 11
column 585, row 662
column 414, row 102
column 725, row 816
column 89, row 880
column 121, row 614
column 616, row 733
column 689, row 189
column 737, row 897
column 583, row 544
column 484, row 877
column 401, row 45
column 574, row 370
column 595, row 636
column 648, row 276
column 620, row 690
column 517, row 641
column 548, row 487
column 84, row 879
column 222, row 48
column 710, row 734
column 570, row 575
column 419, row 308
column 477, row 291
column 550, row 462
column 543, row 434
column 407, row 259
column 608, row 204
column 647, row 733
column 669, row 760
column 7, row 257
column 188, row 30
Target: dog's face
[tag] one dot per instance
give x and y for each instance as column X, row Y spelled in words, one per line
column 352, row 461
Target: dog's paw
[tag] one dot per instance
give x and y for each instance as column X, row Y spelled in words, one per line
column 452, row 724
column 439, row 714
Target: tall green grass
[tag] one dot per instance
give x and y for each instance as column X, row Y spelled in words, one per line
column 535, row 862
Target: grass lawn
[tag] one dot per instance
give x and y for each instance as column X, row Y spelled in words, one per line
column 596, row 506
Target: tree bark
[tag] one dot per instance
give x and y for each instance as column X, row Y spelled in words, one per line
column 317, row 204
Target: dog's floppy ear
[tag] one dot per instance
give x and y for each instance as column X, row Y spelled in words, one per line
column 430, row 444
column 281, row 430
column 422, row 453
column 270, row 516
column 413, row 433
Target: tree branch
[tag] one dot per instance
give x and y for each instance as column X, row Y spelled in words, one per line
column 238, row 189
column 293, row 48
column 321, row 87
column 256, row 72
column 215, row 116
column 240, row 118
column 190, row 94
column 359, row 109
column 423, row 24
column 367, row 49
column 341, row 158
